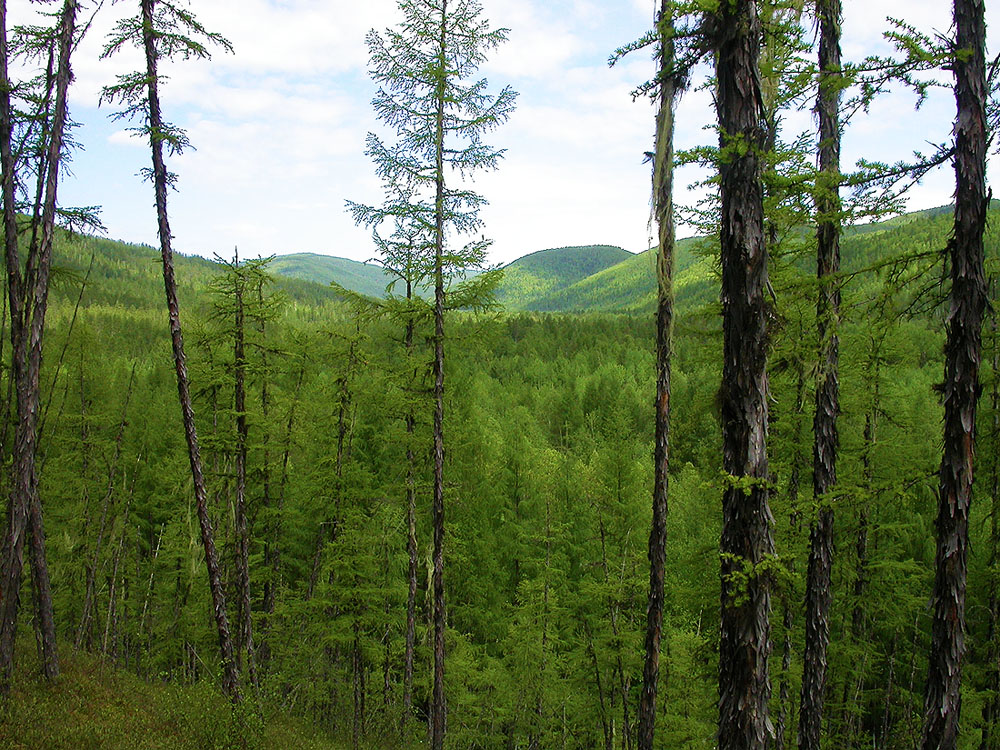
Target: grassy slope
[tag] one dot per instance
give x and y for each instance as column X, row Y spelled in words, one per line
column 598, row 278
column 626, row 286
column 541, row 273
column 365, row 278
column 94, row 706
column 630, row 286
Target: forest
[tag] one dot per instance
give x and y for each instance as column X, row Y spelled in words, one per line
column 739, row 491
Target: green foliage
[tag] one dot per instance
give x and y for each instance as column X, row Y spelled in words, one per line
column 541, row 273
column 549, row 478
column 175, row 33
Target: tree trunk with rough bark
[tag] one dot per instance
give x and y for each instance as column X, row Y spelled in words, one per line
column 411, row 540
column 825, row 437
column 663, row 208
column 28, row 297
column 942, row 697
column 991, row 707
column 746, row 542
column 438, row 709
column 230, row 681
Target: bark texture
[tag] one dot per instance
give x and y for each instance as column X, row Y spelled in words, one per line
column 28, row 296
column 746, row 542
column 991, row 707
column 230, row 682
column 663, row 207
column 942, row 698
column 825, row 438
column 437, row 503
column 411, row 541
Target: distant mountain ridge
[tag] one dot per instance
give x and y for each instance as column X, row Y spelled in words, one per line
column 607, row 278
column 369, row 279
column 539, row 275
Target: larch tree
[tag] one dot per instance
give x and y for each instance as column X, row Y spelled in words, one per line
column 963, row 350
column 404, row 256
column 747, row 544
column 28, row 289
column 241, row 311
column 164, row 30
column 428, row 94
column 665, row 88
column 825, row 436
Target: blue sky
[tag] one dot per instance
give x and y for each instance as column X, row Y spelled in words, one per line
column 279, row 126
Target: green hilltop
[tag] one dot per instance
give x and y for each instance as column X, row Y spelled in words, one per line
column 588, row 278
column 369, row 279
column 541, row 274
column 626, row 286
column 629, row 286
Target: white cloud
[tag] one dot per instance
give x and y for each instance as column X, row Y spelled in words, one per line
column 126, row 138
column 279, row 125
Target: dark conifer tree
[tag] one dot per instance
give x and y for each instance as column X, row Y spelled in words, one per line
column 28, row 291
column 747, row 543
column 163, row 30
column 663, row 169
column 942, row 697
column 825, row 439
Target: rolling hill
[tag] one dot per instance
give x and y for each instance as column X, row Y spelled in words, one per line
column 365, row 278
column 628, row 285
column 592, row 278
column 541, row 274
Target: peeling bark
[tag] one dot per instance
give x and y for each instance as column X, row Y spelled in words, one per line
column 942, row 697
column 747, row 541
column 663, row 202
column 825, row 437
column 28, row 298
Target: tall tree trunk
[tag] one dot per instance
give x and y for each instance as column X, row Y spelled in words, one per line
column 245, row 636
column 991, row 708
column 438, row 709
column 663, row 201
column 942, row 698
column 746, row 542
column 411, row 539
column 28, row 297
column 42, row 586
column 230, row 682
column 825, row 438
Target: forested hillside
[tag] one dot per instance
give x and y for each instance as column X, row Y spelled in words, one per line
column 365, row 278
column 718, row 494
column 550, row 442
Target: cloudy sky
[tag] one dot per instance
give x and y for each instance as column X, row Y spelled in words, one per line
column 279, row 126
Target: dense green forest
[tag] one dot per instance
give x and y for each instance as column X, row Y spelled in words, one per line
column 402, row 545
column 548, row 460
